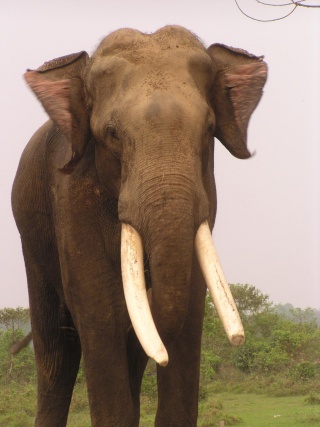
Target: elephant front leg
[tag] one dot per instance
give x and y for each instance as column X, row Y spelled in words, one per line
column 107, row 376
column 58, row 355
column 100, row 314
column 178, row 383
column 56, row 342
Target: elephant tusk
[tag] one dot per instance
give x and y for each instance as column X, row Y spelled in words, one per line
column 217, row 285
column 136, row 295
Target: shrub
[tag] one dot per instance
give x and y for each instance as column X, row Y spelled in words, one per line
column 271, row 359
column 304, row 371
column 312, row 399
column 149, row 381
column 19, row 368
column 210, row 364
column 244, row 358
column 290, row 341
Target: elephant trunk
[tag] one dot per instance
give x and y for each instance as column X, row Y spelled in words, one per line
column 166, row 219
column 170, row 250
column 170, row 215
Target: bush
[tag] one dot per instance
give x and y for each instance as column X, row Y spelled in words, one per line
column 244, row 358
column 312, row 399
column 271, row 359
column 290, row 341
column 304, row 371
column 149, row 381
column 19, row 368
column 210, row 364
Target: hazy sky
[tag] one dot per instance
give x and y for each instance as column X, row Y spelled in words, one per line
column 267, row 229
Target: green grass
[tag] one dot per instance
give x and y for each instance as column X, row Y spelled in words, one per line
column 253, row 410
column 273, row 380
column 17, row 405
column 17, row 408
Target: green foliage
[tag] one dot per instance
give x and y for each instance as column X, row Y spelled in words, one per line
column 149, row 381
column 298, row 315
column 19, row 368
column 288, row 341
column 275, row 343
column 257, row 356
column 249, row 300
column 280, row 358
column 14, row 318
column 17, row 404
column 271, row 359
column 312, row 399
column 210, row 364
column 213, row 411
column 243, row 359
column 17, row 409
column 304, row 371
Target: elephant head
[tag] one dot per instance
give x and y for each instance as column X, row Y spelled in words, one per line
column 151, row 106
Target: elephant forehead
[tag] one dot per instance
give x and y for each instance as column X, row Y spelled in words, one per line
column 107, row 75
column 107, row 66
column 173, row 36
column 136, row 46
column 161, row 104
column 167, row 72
column 121, row 40
column 167, row 111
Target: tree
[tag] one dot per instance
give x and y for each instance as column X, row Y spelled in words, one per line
column 14, row 318
column 249, row 300
column 274, row 341
column 19, row 367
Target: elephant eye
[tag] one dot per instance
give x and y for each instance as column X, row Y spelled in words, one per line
column 112, row 140
column 111, row 131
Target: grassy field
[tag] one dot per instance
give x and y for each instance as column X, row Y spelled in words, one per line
column 252, row 410
column 17, row 406
column 273, row 380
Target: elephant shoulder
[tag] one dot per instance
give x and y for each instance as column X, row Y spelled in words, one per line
column 29, row 185
column 43, row 150
column 35, row 149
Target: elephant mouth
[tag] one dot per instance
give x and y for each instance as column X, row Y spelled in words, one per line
column 136, row 294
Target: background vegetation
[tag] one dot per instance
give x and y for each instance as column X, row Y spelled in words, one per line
column 272, row 380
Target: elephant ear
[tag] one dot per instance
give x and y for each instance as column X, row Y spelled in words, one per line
column 239, row 78
column 58, row 85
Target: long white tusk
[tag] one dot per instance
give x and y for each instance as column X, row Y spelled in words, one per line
column 136, row 295
column 217, row 285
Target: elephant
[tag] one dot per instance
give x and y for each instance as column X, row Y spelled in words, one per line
column 115, row 200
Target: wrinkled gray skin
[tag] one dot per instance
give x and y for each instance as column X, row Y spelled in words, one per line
column 130, row 140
